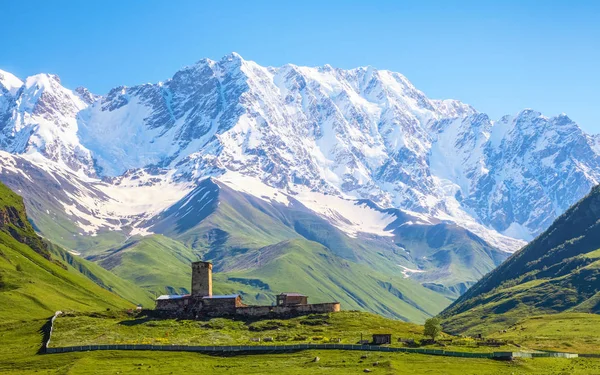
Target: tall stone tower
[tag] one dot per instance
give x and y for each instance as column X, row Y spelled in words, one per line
column 201, row 279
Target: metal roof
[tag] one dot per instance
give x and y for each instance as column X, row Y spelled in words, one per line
column 223, row 296
column 172, row 296
column 293, row 294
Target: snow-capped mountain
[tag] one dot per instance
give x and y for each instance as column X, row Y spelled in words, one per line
column 362, row 133
column 40, row 116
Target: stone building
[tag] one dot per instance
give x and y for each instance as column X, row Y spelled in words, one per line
column 382, row 338
column 202, row 279
column 290, row 299
column 201, row 302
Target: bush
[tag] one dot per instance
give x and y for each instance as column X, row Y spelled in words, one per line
column 217, row 323
column 315, row 321
column 267, row 325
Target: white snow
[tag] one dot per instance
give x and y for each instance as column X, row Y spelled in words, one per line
column 10, row 82
column 408, row 271
column 344, row 213
column 320, row 135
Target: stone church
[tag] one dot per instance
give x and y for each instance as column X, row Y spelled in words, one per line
column 202, row 302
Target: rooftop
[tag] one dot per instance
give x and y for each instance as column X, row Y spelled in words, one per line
column 222, row 296
column 172, row 296
column 293, row 294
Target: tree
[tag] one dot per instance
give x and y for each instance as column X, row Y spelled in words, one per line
column 433, row 328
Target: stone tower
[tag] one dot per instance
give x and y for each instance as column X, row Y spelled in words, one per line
column 201, row 279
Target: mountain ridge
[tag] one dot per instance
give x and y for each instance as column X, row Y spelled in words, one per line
column 362, row 132
column 557, row 272
column 353, row 160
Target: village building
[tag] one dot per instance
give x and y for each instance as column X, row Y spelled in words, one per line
column 382, row 338
column 290, row 299
column 202, row 302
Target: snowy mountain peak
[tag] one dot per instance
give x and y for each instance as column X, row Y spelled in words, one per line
column 233, row 56
column 10, row 82
column 42, row 81
column 360, row 133
column 85, row 95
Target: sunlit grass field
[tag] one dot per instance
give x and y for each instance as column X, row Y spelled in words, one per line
column 21, row 340
column 569, row 332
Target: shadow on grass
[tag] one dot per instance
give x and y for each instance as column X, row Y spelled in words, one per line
column 45, row 331
column 135, row 322
column 249, row 352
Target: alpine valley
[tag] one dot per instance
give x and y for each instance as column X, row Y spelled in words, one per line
column 349, row 185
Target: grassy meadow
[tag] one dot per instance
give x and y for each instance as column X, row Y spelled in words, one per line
column 569, row 332
column 20, row 341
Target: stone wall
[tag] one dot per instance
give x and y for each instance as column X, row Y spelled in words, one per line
column 317, row 308
column 172, row 304
column 220, row 306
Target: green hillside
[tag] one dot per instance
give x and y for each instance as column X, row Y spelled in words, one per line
column 33, row 285
column 155, row 263
column 106, row 279
column 457, row 257
column 162, row 265
column 566, row 332
column 558, row 271
column 311, row 268
column 246, row 237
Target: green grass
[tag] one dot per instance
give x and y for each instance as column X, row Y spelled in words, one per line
column 20, row 341
column 347, row 326
column 34, row 287
column 155, row 263
column 258, row 275
column 570, row 332
column 312, row 269
column 319, row 328
column 505, row 306
column 106, row 279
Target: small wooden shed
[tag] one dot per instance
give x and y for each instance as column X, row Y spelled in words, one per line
column 382, row 338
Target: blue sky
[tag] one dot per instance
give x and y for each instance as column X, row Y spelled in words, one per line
column 499, row 56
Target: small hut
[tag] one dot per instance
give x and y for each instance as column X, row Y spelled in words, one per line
column 382, row 338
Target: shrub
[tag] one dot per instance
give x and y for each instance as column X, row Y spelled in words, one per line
column 267, row 325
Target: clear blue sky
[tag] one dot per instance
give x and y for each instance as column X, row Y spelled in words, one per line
column 499, row 56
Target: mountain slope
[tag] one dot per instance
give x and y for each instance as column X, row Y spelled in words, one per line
column 301, row 265
column 155, row 263
column 32, row 284
column 359, row 161
column 100, row 276
column 224, row 217
column 162, row 265
column 222, row 223
column 558, row 271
